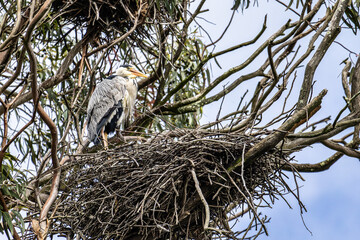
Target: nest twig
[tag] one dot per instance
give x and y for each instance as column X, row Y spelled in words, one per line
column 175, row 186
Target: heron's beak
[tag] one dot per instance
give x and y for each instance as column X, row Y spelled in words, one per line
column 137, row 73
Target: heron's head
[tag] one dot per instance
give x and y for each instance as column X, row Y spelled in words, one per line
column 129, row 71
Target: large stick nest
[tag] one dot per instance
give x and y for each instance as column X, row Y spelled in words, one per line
column 152, row 190
column 118, row 14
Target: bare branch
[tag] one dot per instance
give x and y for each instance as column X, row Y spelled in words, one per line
column 329, row 37
column 344, row 79
column 345, row 150
column 278, row 135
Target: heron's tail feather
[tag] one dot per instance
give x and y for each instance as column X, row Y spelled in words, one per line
column 96, row 140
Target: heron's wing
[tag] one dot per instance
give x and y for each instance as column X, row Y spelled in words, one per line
column 105, row 99
column 110, row 118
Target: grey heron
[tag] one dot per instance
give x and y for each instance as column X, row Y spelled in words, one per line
column 112, row 103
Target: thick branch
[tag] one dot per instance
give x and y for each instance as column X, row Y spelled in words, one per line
column 311, row 67
column 278, row 135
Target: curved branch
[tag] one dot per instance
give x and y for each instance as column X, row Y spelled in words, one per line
column 53, row 130
column 308, row 138
column 343, row 149
column 320, row 166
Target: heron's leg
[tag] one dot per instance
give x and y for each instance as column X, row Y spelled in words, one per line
column 104, row 136
column 106, row 143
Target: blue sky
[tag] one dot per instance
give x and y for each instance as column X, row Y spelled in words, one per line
column 332, row 197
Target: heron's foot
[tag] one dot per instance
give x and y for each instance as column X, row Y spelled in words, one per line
column 106, row 145
column 120, row 136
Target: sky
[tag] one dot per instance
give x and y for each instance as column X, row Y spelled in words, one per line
column 331, row 197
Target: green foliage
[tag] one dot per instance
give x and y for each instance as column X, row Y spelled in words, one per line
column 187, row 63
column 12, row 182
column 353, row 18
column 241, row 3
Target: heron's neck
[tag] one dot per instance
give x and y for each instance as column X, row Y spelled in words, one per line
column 132, row 87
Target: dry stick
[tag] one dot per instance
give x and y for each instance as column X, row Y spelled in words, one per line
column 259, row 232
column 203, row 200
column 264, row 94
column 230, row 72
column 344, row 76
column 274, row 138
column 237, row 82
column 250, row 202
column 223, row 33
column 298, row 34
column 239, row 214
column 248, row 228
column 314, row 124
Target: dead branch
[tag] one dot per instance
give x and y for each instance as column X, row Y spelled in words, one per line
column 273, row 139
column 329, row 37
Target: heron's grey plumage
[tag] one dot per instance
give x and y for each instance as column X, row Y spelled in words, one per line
column 111, row 104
